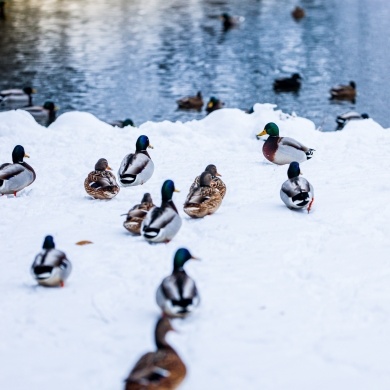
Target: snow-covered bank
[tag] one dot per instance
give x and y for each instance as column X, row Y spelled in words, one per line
column 289, row 299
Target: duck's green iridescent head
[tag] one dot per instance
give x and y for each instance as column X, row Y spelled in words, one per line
column 167, row 190
column 271, row 129
column 142, row 143
column 18, row 154
column 48, row 243
column 181, row 257
column 293, row 170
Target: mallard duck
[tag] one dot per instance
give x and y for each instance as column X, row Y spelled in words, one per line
column 344, row 92
column 229, row 21
column 298, row 13
column 219, row 184
column 17, row 96
column 122, row 124
column 45, row 114
column 214, row 104
column 283, row 150
column 136, row 168
column 162, row 369
column 162, row 223
column 191, row 102
column 288, row 84
column 177, row 294
column 297, row 192
column 136, row 214
column 343, row 119
column 101, row 183
column 203, row 200
column 14, row 177
column 51, row 268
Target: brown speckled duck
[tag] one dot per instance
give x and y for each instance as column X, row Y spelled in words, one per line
column 204, row 199
column 344, row 92
column 191, row 102
column 101, row 183
column 219, row 184
column 159, row 370
column 283, row 150
column 137, row 214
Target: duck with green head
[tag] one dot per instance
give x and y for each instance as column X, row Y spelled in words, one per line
column 162, row 223
column 283, row 150
column 17, row 97
column 45, row 114
column 214, row 104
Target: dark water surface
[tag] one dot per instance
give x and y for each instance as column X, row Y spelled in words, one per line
column 133, row 58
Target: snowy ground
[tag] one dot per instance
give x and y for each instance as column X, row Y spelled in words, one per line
column 290, row 300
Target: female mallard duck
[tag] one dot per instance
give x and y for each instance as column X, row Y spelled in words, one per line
column 288, row 84
column 44, row 114
column 51, row 268
column 137, row 168
column 344, row 92
column 137, row 214
column 214, row 104
column 203, row 200
column 162, row 369
column 219, row 184
column 283, row 150
column 14, row 177
column 297, row 192
column 191, row 102
column 19, row 97
column 298, row 13
column 177, row 294
column 101, row 183
column 162, row 223
column 122, row 124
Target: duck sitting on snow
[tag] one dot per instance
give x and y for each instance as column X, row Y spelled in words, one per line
column 297, row 192
column 214, row 104
column 14, row 177
column 177, row 294
column 122, row 124
column 204, row 199
column 137, row 214
column 162, row 223
column 19, row 97
column 219, row 184
column 45, row 114
column 191, row 102
column 137, row 168
column 162, row 369
column 101, row 183
column 51, row 268
column 283, row 150
column 344, row 92
column 288, row 84
column 343, row 119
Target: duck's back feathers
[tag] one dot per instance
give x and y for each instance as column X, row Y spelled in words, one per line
column 297, row 193
column 219, row 185
column 101, row 185
column 137, row 214
column 135, row 169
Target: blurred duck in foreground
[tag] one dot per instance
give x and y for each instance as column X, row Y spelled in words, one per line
column 298, row 13
column 137, row 214
column 162, row 369
column 101, row 183
column 17, row 97
column 51, row 268
column 283, row 150
column 344, row 92
column 191, row 102
column 45, row 114
column 297, row 192
column 219, row 184
column 177, row 294
column 288, row 84
column 122, row 124
column 343, row 119
column 14, row 177
column 214, row 104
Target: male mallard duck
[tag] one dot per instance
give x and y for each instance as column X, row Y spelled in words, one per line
column 288, row 84
column 137, row 168
column 344, row 92
column 162, row 369
column 51, row 267
column 343, row 119
column 17, row 96
column 177, row 294
column 191, row 102
column 298, row 13
column 283, row 150
column 162, row 223
column 14, row 177
column 214, row 104
column 203, row 200
column 101, row 183
column 45, row 114
column 297, row 192
column 122, row 124
column 136, row 214
column 219, row 184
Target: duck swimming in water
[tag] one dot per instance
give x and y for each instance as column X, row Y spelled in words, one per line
column 344, row 92
column 17, row 97
column 288, row 84
column 191, row 102
column 214, row 104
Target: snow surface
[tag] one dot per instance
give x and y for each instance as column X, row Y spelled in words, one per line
column 290, row 300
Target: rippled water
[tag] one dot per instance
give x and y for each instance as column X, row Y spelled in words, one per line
column 132, row 58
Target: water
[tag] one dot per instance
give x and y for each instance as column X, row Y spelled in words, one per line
column 131, row 58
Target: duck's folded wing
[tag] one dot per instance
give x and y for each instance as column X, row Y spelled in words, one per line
column 146, row 371
column 133, row 164
column 10, row 170
column 293, row 143
column 160, row 217
column 170, row 288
